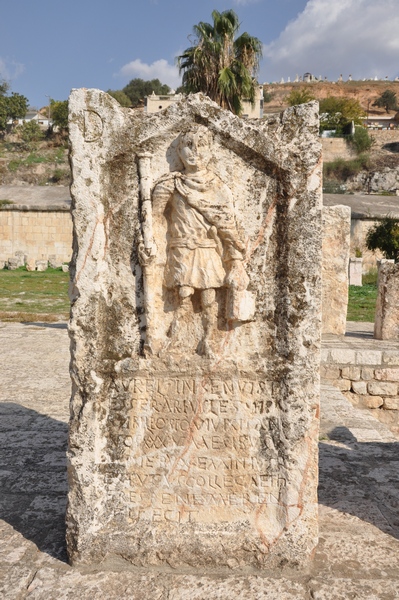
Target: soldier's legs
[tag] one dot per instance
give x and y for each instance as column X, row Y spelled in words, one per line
column 209, row 319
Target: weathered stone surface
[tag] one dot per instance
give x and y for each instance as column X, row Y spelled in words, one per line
column 336, row 247
column 193, row 434
column 382, row 388
column 343, row 356
column 387, row 374
column 327, row 372
column 41, row 265
column 54, row 262
column 391, row 357
column 343, row 384
column 359, row 387
column 367, row 373
column 355, row 271
column 386, row 326
column 13, row 263
column 391, row 403
column 368, row 357
column 352, row 373
column 372, row 401
column 31, row 264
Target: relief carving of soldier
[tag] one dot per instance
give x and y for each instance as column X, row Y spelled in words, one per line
column 204, row 248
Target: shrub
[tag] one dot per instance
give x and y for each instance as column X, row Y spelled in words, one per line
column 299, row 97
column 30, row 131
column 361, row 140
column 384, row 236
column 341, row 169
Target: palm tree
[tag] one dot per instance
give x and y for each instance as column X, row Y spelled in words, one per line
column 221, row 65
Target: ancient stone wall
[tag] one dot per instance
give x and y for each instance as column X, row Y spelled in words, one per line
column 334, row 148
column 38, row 234
column 195, row 335
column 368, row 377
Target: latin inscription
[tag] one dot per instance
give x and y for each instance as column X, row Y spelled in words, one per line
column 196, row 443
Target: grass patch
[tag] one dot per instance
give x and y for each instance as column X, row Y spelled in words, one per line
column 31, row 159
column 362, row 301
column 34, row 296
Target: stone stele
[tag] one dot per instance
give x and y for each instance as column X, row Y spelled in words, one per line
column 195, row 335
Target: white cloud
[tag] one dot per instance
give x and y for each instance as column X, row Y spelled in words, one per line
column 10, row 69
column 244, row 2
column 357, row 37
column 160, row 69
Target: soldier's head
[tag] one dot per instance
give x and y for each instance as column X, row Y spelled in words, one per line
column 194, row 148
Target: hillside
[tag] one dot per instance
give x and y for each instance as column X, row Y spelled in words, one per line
column 41, row 163
column 366, row 92
column 46, row 162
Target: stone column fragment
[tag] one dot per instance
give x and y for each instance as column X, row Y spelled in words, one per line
column 386, row 325
column 336, row 247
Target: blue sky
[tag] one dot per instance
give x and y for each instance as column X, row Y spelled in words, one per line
column 48, row 47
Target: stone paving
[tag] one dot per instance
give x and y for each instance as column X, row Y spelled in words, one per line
column 357, row 555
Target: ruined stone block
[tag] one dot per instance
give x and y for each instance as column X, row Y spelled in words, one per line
column 372, row 401
column 13, row 263
column 329, row 372
column 336, row 247
column 195, row 335
column 359, row 387
column 386, row 325
column 355, row 271
column 367, row 373
column 391, row 357
column 387, row 374
column 352, row 373
column 368, row 357
column 41, row 265
column 382, row 388
column 391, row 403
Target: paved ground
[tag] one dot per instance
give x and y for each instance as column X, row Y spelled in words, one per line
column 362, row 205
column 39, row 196
column 365, row 205
column 357, row 556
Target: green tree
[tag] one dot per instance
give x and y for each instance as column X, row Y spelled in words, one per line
column 137, row 89
column 299, row 97
column 387, row 100
column 361, row 140
column 4, row 87
column 17, row 106
column 220, row 64
column 338, row 113
column 121, row 97
column 384, row 236
column 12, row 107
column 59, row 114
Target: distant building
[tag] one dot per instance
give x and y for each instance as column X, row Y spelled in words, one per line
column 381, row 122
column 154, row 103
column 32, row 115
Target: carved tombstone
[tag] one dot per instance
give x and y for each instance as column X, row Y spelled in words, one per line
column 195, row 335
